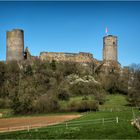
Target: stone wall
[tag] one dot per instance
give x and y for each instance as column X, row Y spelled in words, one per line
column 71, row 57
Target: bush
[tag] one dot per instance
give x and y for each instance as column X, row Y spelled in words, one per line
column 22, row 104
column 133, row 97
column 100, row 97
column 63, row 94
column 5, row 103
column 82, row 88
column 72, row 106
column 87, row 106
column 83, row 106
column 47, row 103
column 85, row 98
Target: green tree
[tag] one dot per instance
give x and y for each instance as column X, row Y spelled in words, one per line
column 134, row 85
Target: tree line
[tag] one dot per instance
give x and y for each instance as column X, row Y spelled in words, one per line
column 39, row 86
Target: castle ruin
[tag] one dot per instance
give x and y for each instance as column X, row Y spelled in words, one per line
column 15, row 51
column 15, row 45
column 110, row 48
column 110, row 54
column 80, row 57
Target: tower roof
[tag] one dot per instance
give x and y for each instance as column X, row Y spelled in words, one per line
column 110, row 36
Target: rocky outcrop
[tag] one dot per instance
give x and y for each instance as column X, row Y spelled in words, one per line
column 136, row 123
column 73, row 79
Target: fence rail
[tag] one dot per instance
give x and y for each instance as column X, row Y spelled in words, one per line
column 118, row 109
column 64, row 124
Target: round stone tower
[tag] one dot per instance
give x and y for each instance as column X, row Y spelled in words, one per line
column 15, row 45
column 110, row 48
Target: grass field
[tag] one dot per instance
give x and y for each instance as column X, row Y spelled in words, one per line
column 112, row 130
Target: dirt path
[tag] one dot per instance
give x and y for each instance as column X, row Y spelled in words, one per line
column 14, row 124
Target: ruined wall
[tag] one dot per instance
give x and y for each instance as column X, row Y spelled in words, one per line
column 71, row 57
column 27, row 55
column 15, row 45
column 110, row 48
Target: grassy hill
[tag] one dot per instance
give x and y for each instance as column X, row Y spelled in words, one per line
column 115, row 106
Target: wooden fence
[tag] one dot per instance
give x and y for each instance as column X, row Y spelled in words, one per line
column 64, row 124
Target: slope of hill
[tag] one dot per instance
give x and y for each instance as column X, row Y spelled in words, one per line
column 115, row 106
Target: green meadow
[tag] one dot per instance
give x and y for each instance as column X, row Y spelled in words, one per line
column 87, row 127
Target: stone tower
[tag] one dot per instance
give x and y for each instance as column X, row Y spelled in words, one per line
column 110, row 48
column 15, row 45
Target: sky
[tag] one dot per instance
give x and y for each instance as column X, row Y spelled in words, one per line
column 63, row 26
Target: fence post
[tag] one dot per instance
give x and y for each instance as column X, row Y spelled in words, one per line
column 133, row 114
column 28, row 127
column 66, row 125
column 117, row 120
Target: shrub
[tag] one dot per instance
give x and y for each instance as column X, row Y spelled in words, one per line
column 85, row 98
column 87, row 106
column 83, row 106
column 94, row 106
column 5, row 103
column 82, row 88
column 72, row 106
column 47, row 103
column 133, row 97
column 100, row 97
column 63, row 94
column 22, row 104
